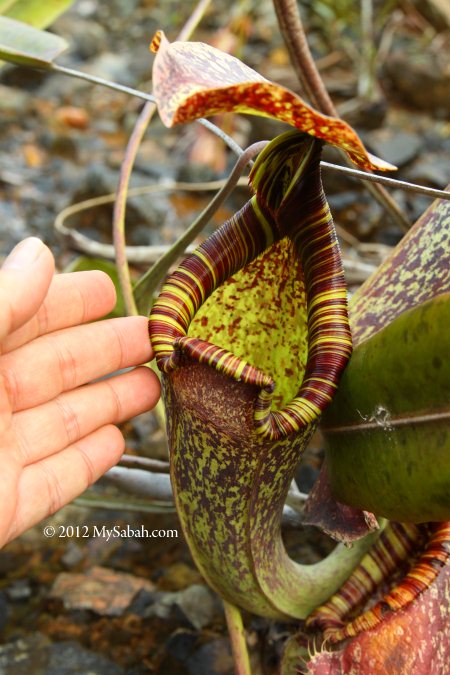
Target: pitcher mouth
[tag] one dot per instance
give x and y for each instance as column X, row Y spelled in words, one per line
column 327, row 355
column 302, row 227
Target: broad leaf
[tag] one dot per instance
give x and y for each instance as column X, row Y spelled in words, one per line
column 24, row 45
column 37, row 13
column 193, row 79
column 407, row 381
column 389, row 425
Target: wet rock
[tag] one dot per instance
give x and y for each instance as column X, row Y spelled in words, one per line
column 100, row 590
column 186, row 654
column 419, row 77
column 13, row 100
column 365, row 114
column 19, row 590
column 142, row 602
column 146, row 438
column 177, row 649
column 73, row 555
column 24, row 656
column 37, row 655
column 199, row 605
column 395, row 146
column 111, row 66
column 305, row 477
column 178, row 576
column 213, row 658
column 430, row 170
column 196, row 604
column 68, row 658
column 86, row 38
column 4, row 610
column 146, row 212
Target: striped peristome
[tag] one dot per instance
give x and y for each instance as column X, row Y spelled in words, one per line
column 398, row 543
column 292, row 163
column 234, row 452
column 261, row 301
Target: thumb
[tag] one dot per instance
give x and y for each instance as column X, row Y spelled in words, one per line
column 25, row 278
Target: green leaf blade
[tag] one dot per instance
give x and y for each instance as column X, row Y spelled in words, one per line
column 34, row 12
column 388, row 428
column 25, row 45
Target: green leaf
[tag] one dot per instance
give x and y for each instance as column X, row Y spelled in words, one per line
column 389, row 424
column 5, row 5
column 86, row 264
column 37, row 13
column 24, row 45
column 417, row 271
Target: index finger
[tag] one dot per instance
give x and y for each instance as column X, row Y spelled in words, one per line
column 25, row 278
column 73, row 298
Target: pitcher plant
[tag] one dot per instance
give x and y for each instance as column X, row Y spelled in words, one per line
column 251, row 335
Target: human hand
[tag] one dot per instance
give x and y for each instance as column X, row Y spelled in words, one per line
column 57, row 433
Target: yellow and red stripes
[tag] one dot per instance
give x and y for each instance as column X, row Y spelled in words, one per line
column 292, row 204
column 396, row 544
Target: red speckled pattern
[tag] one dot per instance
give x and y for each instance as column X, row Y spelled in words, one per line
column 192, row 80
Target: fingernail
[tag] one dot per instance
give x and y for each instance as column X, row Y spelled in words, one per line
column 24, row 254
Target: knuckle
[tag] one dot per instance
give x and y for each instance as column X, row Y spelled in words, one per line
column 69, row 419
column 54, row 494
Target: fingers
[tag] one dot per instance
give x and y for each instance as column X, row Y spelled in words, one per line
column 24, row 281
column 48, row 428
column 39, row 371
column 72, row 299
column 48, row 485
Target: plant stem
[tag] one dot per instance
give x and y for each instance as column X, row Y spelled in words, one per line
column 389, row 182
column 144, row 463
column 366, row 76
column 126, row 169
column 80, row 75
column 237, row 636
column 293, row 33
column 125, row 504
column 118, row 225
column 147, row 284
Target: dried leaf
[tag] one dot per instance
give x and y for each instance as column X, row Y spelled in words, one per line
column 343, row 523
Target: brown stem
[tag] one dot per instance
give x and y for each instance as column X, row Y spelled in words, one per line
column 120, row 204
column 293, row 33
column 125, row 175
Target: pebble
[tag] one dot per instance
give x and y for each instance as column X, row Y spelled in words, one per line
column 4, row 610
column 197, row 604
column 37, row 655
column 395, row 146
column 186, row 654
column 100, row 589
column 19, row 590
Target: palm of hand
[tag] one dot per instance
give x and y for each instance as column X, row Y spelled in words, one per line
column 57, row 428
